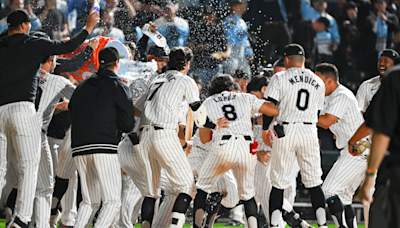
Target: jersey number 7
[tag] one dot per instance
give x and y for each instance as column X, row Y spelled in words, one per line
column 157, row 86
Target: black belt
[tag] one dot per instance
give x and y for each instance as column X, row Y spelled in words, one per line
column 307, row 123
column 155, row 128
column 227, row 137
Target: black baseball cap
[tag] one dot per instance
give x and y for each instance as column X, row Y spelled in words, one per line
column 18, row 16
column 390, row 54
column 325, row 21
column 293, row 49
column 380, row 1
column 109, row 55
column 158, row 52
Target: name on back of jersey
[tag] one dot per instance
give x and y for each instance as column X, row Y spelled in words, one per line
column 305, row 79
column 222, row 97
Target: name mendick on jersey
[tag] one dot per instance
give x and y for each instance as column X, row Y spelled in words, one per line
column 222, row 97
column 305, row 79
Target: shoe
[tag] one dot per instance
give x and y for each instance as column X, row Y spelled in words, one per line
column 322, row 227
column 156, row 37
column 17, row 223
column 54, row 219
column 304, row 224
column 234, row 223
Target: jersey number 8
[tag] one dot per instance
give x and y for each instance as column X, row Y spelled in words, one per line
column 229, row 112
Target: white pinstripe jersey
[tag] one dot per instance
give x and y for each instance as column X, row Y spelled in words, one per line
column 53, row 89
column 300, row 94
column 237, row 108
column 163, row 101
column 367, row 91
column 343, row 104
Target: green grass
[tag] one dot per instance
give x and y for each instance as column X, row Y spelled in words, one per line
column 219, row 225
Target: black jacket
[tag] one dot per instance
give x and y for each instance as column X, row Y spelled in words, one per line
column 100, row 110
column 20, row 59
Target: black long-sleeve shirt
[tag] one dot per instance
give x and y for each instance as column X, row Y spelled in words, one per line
column 20, row 59
column 100, row 109
column 75, row 62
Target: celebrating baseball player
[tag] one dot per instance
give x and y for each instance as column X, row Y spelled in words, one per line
column 342, row 116
column 299, row 95
column 230, row 148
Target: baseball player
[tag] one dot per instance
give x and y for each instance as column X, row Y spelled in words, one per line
column 365, row 93
column 17, row 110
column 94, row 146
column 299, row 95
column 158, row 139
column 342, row 116
column 368, row 88
column 230, row 148
column 257, row 87
column 52, row 88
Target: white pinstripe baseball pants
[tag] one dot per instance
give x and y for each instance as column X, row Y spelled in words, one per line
column 164, row 150
column 20, row 131
column 227, row 183
column 100, row 182
column 131, row 198
column 301, row 144
column 68, row 202
column 345, row 176
column 66, row 165
column 55, row 150
column 289, row 194
column 225, row 155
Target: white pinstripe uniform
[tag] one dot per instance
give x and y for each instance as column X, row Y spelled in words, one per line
column 161, row 148
column 231, row 146
column 20, row 134
column 300, row 94
column 66, row 169
column 348, row 172
column 227, row 184
column 367, row 91
column 263, row 183
column 53, row 88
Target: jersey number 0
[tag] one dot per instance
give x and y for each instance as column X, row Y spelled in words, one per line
column 300, row 94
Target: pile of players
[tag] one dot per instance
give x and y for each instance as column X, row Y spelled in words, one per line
column 246, row 148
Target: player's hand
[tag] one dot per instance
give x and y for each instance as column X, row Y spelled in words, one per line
column 94, row 43
column 188, row 149
column 263, row 157
column 222, row 122
column 364, row 193
column 267, row 137
column 92, row 20
column 63, row 106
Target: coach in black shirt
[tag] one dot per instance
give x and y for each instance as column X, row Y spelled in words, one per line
column 100, row 110
column 383, row 116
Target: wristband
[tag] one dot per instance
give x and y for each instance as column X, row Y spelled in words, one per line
column 185, row 146
column 371, row 172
